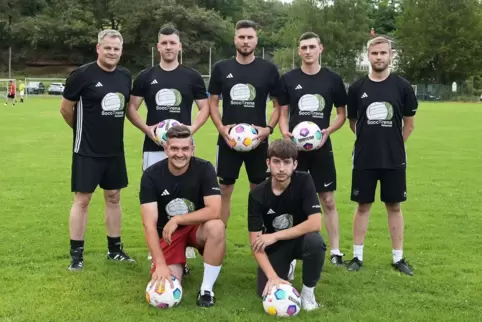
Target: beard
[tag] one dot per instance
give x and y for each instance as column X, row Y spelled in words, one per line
column 244, row 53
column 379, row 69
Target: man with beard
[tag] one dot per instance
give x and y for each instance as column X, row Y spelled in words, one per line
column 308, row 94
column 284, row 222
column 381, row 110
column 93, row 105
column 168, row 90
column 244, row 82
column 181, row 206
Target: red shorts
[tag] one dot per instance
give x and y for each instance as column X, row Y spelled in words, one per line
column 180, row 239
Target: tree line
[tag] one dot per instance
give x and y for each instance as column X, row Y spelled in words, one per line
column 438, row 41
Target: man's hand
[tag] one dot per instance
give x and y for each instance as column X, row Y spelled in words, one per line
column 287, row 135
column 224, row 131
column 325, row 133
column 151, row 133
column 263, row 241
column 263, row 133
column 169, row 229
column 273, row 282
column 161, row 274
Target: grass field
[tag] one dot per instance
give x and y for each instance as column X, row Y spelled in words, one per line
column 442, row 237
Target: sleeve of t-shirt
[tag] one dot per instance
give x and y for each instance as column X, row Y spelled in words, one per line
column 274, row 81
column 198, row 87
column 255, row 214
column 209, row 181
column 340, row 96
column 215, row 86
column 148, row 191
column 410, row 102
column 282, row 92
column 138, row 86
column 309, row 197
column 74, row 86
column 351, row 104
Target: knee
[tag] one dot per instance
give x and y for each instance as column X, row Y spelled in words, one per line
column 112, row 197
column 215, row 230
column 82, row 200
column 363, row 209
column 314, row 244
column 226, row 189
column 328, row 202
column 393, row 207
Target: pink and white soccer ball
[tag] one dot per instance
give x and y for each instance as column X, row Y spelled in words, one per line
column 164, row 297
column 307, row 136
column 243, row 137
column 162, row 129
column 283, row 301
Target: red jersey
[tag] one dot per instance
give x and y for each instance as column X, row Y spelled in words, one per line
column 11, row 90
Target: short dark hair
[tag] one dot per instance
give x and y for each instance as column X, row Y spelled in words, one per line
column 178, row 132
column 310, row 35
column 169, row 30
column 246, row 24
column 283, row 149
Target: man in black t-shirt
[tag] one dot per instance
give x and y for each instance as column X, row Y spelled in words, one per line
column 284, row 222
column 181, row 206
column 168, row 90
column 309, row 94
column 93, row 105
column 244, row 82
column 381, row 110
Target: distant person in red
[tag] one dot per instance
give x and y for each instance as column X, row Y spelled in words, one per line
column 11, row 92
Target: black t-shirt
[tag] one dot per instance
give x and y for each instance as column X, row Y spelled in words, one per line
column 379, row 108
column 168, row 95
column 244, row 90
column 99, row 114
column 178, row 195
column 270, row 213
column 311, row 97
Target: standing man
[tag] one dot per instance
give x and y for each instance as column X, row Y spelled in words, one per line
column 168, row 90
column 93, row 105
column 181, row 206
column 284, row 222
column 11, row 91
column 309, row 94
column 21, row 91
column 244, row 83
column 381, row 110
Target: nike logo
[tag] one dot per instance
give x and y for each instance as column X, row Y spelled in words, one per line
column 327, row 184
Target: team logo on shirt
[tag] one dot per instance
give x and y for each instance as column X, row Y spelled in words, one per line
column 169, row 99
column 243, row 94
column 283, row 221
column 380, row 113
column 178, row 207
column 113, row 104
column 311, row 104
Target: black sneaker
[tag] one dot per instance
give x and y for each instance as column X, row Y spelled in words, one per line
column 120, row 256
column 77, row 259
column 205, row 299
column 337, row 260
column 354, row 265
column 403, row 267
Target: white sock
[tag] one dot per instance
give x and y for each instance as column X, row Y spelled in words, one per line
column 358, row 252
column 211, row 274
column 310, row 291
column 335, row 252
column 397, row 255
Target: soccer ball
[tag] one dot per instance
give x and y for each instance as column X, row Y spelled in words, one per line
column 307, row 136
column 164, row 297
column 242, row 137
column 162, row 129
column 282, row 301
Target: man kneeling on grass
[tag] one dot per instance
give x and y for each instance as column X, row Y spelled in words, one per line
column 284, row 222
column 181, row 206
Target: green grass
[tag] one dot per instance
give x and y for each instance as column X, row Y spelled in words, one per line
column 442, row 215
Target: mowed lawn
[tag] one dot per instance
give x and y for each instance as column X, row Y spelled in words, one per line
column 442, row 238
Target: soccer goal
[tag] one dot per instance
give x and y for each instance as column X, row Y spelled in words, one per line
column 44, row 87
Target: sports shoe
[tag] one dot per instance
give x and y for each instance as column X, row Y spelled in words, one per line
column 403, row 267
column 354, row 265
column 120, row 256
column 190, row 253
column 308, row 302
column 149, row 257
column 337, row 260
column 186, row 269
column 77, row 259
column 205, row 298
column 291, row 274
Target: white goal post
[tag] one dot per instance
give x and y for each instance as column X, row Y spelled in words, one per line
column 41, row 87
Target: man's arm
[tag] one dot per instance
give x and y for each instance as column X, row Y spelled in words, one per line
column 214, row 111
column 202, row 115
column 410, row 107
column 284, row 121
column 149, row 214
column 211, row 211
column 351, row 107
column 67, row 111
column 353, row 125
column 408, row 126
column 262, row 258
column 312, row 224
column 133, row 113
column 273, row 120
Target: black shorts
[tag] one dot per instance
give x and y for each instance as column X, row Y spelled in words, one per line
column 109, row 173
column 321, row 165
column 229, row 161
column 11, row 95
column 393, row 186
